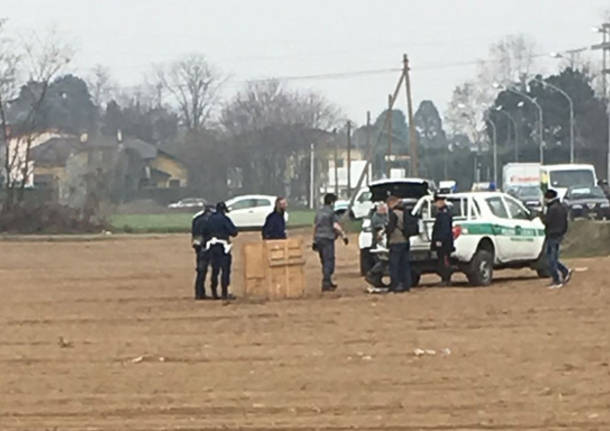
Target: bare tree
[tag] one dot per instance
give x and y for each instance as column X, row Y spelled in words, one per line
column 276, row 127
column 101, row 85
column 193, row 84
column 39, row 59
column 463, row 114
column 509, row 60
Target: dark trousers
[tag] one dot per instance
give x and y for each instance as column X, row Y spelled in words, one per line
column 326, row 250
column 221, row 262
column 400, row 268
column 202, row 262
column 444, row 264
column 552, row 255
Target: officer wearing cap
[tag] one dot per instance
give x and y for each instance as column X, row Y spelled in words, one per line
column 442, row 238
column 220, row 230
column 202, row 256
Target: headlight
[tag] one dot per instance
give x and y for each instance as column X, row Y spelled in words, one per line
column 605, row 205
column 577, row 207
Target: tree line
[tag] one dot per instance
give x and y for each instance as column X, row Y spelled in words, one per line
column 260, row 139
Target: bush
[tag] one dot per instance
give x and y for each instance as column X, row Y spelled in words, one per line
column 49, row 219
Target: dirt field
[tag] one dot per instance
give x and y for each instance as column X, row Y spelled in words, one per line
column 139, row 354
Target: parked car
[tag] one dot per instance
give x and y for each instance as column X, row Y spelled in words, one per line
column 530, row 195
column 249, row 211
column 188, row 204
column 587, row 202
column 492, row 231
column 447, row 187
column 362, row 205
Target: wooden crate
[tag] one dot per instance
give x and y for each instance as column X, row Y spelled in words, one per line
column 274, row 269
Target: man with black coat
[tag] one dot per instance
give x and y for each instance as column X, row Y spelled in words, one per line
column 556, row 226
column 442, row 238
column 275, row 223
column 202, row 256
column 220, row 229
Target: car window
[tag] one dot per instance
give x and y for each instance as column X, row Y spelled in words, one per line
column 497, row 207
column 263, row 203
column 458, row 207
column 516, row 210
column 242, row 204
column 424, row 210
column 474, row 209
column 365, row 197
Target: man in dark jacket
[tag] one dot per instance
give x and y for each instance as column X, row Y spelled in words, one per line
column 275, row 223
column 202, row 256
column 442, row 238
column 220, row 229
column 399, row 244
column 556, row 226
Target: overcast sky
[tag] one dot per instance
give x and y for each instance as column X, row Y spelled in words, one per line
column 266, row 38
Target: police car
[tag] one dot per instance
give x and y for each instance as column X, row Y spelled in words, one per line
column 492, row 230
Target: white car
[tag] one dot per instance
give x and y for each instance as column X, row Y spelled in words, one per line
column 491, row 230
column 188, row 203
column 361, row 208
column 251, row 210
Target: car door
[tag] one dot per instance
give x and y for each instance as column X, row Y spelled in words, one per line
column 241, row 211
column 264, row 206
column 524, row 239
column 423, row 211
column 501, row 227
column 362, row 204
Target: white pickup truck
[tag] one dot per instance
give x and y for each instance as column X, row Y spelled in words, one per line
column 492, row 230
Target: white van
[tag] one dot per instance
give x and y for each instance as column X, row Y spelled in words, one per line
column 561, row 177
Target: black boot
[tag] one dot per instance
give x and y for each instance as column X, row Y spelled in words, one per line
column 214, row 292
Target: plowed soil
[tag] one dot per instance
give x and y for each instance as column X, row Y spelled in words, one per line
column 104, row 335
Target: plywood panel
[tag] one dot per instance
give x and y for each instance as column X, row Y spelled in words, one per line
column 275, row 269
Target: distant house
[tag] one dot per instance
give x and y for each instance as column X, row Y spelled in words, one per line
column 20, row 167
column 74, row 168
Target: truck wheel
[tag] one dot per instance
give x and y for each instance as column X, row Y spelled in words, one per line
column 480, row 271
column 366, row 261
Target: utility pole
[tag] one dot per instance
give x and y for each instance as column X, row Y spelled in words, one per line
column 311, row 177
column 349, row 158
column 336, row 162
column 605, row 47
column 412, row 131
column 389, row 121
column 368, row 145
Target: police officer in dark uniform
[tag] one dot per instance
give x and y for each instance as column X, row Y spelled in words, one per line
column 442, row 238
column 219, row 230
column 199, row 240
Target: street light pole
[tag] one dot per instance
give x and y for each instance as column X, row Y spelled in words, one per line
column 571, row 104
column 494, row 137
column 515, row 128
column 605, row 47
column 540, row 115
